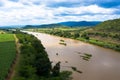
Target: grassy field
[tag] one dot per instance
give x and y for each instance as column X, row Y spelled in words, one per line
column 7, row 54
column 2, row 32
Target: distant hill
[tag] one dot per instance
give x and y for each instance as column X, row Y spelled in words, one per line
column 109, row 26
column 11, row 26
column 43, row 26
column 80, row 23
column 108, row 32
column 65, row 24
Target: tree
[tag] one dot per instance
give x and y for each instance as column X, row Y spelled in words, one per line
column 43, row 65
column 56, row 69
column 85, row 35
column 76, row 35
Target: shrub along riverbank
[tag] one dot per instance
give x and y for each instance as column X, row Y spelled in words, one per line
column 83, row 34
column 86, row 38
column 34, row 63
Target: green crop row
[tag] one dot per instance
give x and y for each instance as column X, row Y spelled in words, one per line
column 7, row 54
column 6, row 37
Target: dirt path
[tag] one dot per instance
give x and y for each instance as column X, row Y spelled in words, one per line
column 14, row 65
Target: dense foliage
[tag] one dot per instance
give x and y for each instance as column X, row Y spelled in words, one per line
column 106, row 34
column 109, row 26
column 7, row 54
column 34, row 62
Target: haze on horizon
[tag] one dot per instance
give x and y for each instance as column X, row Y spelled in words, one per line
column 22, row 12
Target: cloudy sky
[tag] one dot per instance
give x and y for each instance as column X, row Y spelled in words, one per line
column 16, row 12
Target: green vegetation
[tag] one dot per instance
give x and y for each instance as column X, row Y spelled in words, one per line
column 62, row 42
column 2, row 32
column 109, row 26
column 34, row 63
column 6, row 37
column 7, row 54
column 106, row 34
column 75, row 69
column 86, row 56
column 43, row 26
column 61, row 31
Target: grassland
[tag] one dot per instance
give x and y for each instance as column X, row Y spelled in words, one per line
column 7, row 54
column 2, row 32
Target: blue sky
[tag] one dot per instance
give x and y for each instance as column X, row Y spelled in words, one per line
column 22, row 12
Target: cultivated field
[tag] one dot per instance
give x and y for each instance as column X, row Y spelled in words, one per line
column 7, row 54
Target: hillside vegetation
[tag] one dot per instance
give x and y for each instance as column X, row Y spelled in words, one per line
column 106, row 34
column 108, row 31
column 109, row 26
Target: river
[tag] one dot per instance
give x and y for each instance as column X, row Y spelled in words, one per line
column 104, row 64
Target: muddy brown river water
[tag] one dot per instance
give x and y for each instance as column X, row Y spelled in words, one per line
column 104, row 64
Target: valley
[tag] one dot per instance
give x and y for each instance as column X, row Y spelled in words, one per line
column 66, row 46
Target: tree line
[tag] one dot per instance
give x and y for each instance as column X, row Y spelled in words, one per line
column 89, row 36
column 34, row 63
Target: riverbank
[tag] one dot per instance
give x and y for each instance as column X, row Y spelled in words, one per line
column 104, row 64
column 79, row 34
column 34, row 63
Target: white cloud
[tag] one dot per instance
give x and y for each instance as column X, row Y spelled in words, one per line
column 93, row 9
column 26, row 12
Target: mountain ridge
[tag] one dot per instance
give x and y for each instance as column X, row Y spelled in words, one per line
column 66, row 24
column 80, row 23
